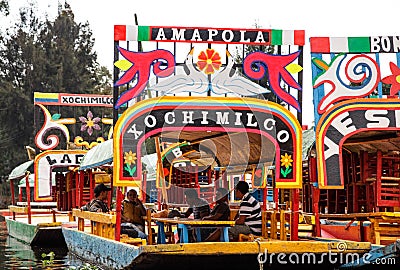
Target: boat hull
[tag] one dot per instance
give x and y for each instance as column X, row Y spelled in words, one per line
column 235, row 255
column 36, row 235
column 21, row 230
column 98, row 250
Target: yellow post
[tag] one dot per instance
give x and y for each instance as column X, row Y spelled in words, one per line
column 282, row 230
column 160, row 172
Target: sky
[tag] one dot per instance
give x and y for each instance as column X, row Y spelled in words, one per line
column 339, row 18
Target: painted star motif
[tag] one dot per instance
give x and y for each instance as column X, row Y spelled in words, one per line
column 393, row 79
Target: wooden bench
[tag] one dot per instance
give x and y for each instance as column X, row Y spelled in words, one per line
column 385, row 229
column 276, row 224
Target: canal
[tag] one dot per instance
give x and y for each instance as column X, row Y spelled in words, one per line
column 17, row 255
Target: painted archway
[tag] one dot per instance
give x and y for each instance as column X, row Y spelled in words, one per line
column 343, row 121
column 157, row 115
column 45, row 162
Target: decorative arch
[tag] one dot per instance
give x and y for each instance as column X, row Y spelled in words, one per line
column 154, row 116
column 343, row 121
column 45, row 162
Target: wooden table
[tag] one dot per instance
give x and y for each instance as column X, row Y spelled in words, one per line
column 185, row 223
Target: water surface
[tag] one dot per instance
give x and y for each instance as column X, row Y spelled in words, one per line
column 18, row 255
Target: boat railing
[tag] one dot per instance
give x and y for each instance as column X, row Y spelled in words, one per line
column 101, row 224
column 277, row 224
column 25, row 210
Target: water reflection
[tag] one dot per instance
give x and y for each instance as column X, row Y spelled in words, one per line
column 17, row 255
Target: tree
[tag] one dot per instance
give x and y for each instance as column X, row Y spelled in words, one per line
column 39, row 55
column 4, row 7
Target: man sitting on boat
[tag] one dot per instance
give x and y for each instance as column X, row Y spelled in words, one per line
column 198, row 206
column 98, row 203
column 132, row 222
column 248, row 218
column 221, row 209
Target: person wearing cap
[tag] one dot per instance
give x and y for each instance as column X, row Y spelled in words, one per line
column 98, row 203
column 197, row 206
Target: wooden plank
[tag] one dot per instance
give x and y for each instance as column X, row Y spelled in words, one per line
column 390, row 178
column 234, row 248
column 18, row 209
column 95, row 216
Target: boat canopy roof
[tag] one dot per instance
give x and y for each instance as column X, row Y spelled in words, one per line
column 31, row 178
column 20, row 170
column 22, row 182
column 99, row 155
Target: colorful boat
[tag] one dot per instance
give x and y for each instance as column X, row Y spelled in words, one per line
column 47, row 183
column 353, row 174
column 37, row 227
column 205, row 141
column 212, row 120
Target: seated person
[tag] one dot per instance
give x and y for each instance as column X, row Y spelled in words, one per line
column 132, row 222
column 198, row 206
column 220, row 211
column 248, row 218
column 98, row 204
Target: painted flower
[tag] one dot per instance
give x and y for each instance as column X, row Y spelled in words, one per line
column 286, row 160
column 393, row 79
column 209, row 61
column 89, row 123
column 130, row 158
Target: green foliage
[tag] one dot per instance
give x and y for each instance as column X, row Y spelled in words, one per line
column 39, row 55
column 4, row 7
column 48, row 262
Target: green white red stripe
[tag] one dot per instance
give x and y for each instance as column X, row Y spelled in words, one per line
column 340, row 44
column 276, row 37
column 287, row 37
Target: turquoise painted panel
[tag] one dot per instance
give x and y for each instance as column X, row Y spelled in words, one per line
column 20, row 230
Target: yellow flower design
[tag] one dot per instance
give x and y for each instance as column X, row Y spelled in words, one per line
column 130, row 158
column 286, row 160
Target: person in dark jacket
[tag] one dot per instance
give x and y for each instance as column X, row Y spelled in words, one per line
column 221, row 209
column 98, row 203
